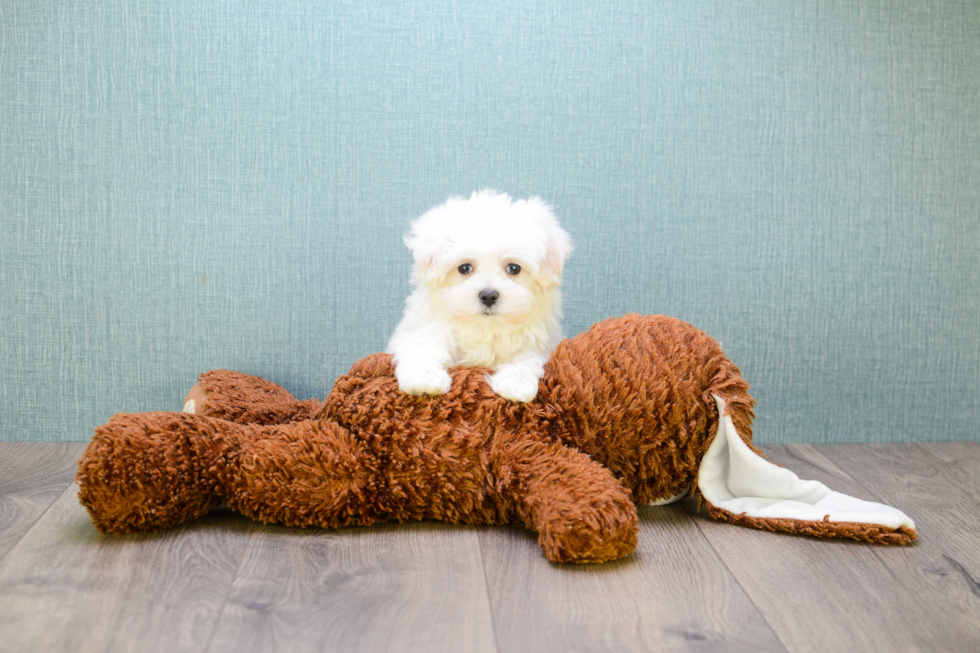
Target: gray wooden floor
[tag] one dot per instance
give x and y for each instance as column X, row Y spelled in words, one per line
column 227, row 584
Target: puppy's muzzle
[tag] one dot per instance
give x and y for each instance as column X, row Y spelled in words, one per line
column 488, row 297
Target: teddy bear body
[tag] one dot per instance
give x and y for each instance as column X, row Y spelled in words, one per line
column 623, row 413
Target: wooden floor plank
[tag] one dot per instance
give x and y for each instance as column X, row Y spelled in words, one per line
column 392, row 587
column 965, row 454
column 32, row 476
column 821, row 595
column 65, row 587
column 938, row 485
column 673, row 594
column 693, row 584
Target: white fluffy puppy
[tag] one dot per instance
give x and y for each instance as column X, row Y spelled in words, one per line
column 485, row 292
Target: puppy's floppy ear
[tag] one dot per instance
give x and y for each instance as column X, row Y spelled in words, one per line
column 558, row 244
column 429, row 239
column 428, row 268
column 559, row 247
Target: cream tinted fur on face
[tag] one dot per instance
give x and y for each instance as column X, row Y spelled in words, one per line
column 445, row 321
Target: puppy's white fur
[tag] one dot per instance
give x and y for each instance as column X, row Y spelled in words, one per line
column 445, row 323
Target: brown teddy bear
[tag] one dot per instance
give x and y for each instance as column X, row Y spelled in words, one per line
column 637, row 409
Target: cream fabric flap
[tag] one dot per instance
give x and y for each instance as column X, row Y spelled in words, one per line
column 734, row 478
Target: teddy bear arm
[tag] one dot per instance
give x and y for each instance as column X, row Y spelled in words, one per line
column 246, row 399
column 580, row 511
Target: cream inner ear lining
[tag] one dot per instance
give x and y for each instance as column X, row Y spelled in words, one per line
column 734, row 478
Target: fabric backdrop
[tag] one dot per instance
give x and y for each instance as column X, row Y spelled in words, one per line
column 188, row 185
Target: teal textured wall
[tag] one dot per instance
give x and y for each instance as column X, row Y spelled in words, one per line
column 193, row 185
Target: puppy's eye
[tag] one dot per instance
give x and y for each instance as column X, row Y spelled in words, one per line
column 513, row 268
column 465, row 268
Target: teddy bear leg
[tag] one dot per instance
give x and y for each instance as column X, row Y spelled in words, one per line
column 144, row 472
column 312, row 474
column 581, row 512
column 245, row 399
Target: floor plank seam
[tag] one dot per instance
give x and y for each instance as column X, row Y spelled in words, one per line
column 486, row 588
column 35, row 522
column 695, row 517
column 231, row 586
column 928, row 451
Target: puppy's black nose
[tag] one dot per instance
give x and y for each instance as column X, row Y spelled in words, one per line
column 489, row 297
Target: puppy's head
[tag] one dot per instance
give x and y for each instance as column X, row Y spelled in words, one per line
column 490, row 256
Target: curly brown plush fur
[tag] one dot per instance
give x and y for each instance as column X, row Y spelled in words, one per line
column 624, row 413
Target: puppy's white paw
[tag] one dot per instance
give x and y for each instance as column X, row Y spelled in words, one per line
column 423, row 380
column 514, row 385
